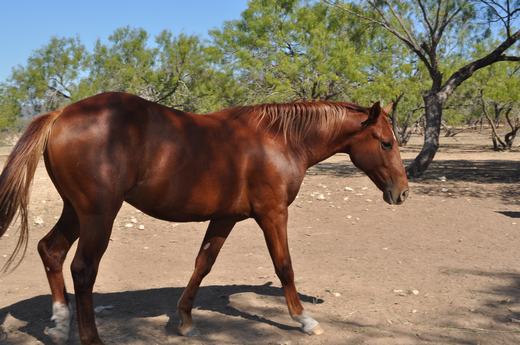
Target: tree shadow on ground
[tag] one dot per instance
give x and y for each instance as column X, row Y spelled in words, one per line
column 494, row 321
column 502, row 305
column 129, row 305
column 452, row 178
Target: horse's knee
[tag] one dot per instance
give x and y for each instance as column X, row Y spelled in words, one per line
column 83, row 274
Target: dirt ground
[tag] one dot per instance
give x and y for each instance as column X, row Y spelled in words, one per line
column 444, row 268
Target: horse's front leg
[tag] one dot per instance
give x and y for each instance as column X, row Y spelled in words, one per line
column 215, row 237
column 274, row 226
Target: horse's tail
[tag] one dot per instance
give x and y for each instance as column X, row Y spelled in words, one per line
column 15, row 180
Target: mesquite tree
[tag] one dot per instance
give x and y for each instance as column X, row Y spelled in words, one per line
column 435, row 31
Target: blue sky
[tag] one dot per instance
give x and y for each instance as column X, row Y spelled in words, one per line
column 27, row 25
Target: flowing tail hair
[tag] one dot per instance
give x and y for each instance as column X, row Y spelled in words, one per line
column 15, row 181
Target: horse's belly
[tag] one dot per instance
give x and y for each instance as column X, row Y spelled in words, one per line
column 175, row 204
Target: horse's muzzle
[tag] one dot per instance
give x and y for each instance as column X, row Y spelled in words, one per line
column 396, row 198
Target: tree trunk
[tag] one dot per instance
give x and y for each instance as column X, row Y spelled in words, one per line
column 395, row 124
column 433, row 116
column 515, row 126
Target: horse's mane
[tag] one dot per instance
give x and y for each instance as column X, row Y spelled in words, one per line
column 295, row 120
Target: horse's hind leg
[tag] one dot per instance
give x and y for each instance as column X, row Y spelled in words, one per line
column 53, row 248
column 95, row 229
column 215, row 237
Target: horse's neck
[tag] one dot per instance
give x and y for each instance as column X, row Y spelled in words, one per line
column 316, row 148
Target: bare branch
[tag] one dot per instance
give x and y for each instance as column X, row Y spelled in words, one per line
column 425, row 17
column 437, row 12
column 400, row 20
column 508, row 58
column 58, row 92
column 446, row 21
column 467, row 71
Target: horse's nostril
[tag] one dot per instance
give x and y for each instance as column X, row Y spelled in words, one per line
column 403, row 195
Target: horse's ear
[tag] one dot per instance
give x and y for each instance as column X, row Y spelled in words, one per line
column 373, row 114
column 388, row 108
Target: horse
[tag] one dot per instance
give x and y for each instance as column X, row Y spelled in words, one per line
column 241, row 162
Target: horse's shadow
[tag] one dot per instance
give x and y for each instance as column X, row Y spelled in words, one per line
column 149, row 303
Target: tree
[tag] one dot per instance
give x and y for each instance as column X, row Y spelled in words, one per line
column 392, row 74
column 9, row 106
column 123, row 64
column 288, row 50
column 498, row 99
column 51, row 75
column 435, row 31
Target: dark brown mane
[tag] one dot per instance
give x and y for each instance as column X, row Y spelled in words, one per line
column 295, row 120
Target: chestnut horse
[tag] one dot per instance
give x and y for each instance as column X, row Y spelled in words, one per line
column 238, row 163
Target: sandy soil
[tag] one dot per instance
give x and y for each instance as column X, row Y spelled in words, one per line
column 444, row 268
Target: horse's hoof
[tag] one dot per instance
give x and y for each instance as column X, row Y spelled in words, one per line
column 316, row 330
column 57, row 335
column 188, row 331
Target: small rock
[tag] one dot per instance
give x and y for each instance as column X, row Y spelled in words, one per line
column 38, row 220
column 364, row 188
column 336, row 294
column 415, row 292
column 349, row 189
column 399, row 292
column 368, row 200
column 349, row 216
column 345, row 198
column 320, row 197
column 133, row 220
column 141, row 227
column 442, row 178
column 129, row 225
column 444, row 190
column 102, row 308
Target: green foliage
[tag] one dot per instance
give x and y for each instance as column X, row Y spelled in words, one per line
column 287, row 50
column 51, row 75
column 278, row 50
column 9, row 106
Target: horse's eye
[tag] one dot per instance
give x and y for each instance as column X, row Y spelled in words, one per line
column 386, row 145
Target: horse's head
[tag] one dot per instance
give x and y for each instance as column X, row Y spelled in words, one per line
column 374, row 149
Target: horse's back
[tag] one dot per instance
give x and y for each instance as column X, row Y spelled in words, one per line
column 96, row 144
column 170, row 164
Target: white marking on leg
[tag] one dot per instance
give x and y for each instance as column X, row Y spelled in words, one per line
column 61, row 317
column 307, row 322
column 206, row 246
